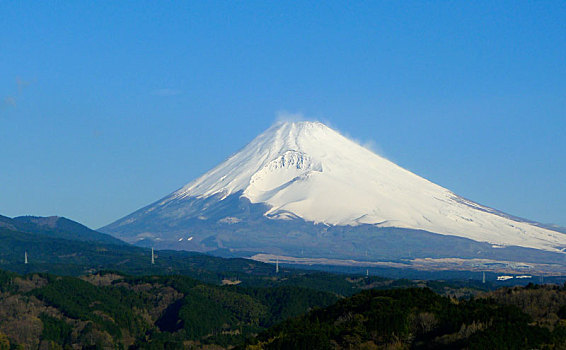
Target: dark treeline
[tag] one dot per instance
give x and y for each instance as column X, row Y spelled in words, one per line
column 70, row 296
column 421, row 319
column 112, row 310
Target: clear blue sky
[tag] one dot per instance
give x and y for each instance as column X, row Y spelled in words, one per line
column 107, row 106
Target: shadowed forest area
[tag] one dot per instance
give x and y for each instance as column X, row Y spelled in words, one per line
column 110, row 310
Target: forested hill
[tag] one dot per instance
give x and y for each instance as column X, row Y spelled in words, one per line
column 56, row 227
column 192, row 299
column 112, row 310
column 48, row 254
column 63, row 247
column 531, row 317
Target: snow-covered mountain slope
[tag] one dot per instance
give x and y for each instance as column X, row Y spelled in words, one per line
column 310, row 171
column 301, row 189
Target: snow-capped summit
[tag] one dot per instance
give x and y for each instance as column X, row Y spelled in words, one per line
column 312, row 171
column 308, row 171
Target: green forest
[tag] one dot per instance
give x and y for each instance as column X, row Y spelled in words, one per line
column 529, row 317
column 110, row 310
column 83, row 290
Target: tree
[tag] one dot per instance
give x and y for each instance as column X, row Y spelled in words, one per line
column 4, row 342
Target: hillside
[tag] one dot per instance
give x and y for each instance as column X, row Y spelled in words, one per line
column 110, row 309
column 56, row 227
column 113, row 310
column 76, row 258
column 420, row 319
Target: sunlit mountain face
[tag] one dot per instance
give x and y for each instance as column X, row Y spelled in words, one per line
column 303, row 190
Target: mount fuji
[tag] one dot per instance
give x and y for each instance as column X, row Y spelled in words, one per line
column 302, row 191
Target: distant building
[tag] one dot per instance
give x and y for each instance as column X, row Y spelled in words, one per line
column 504, row 278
